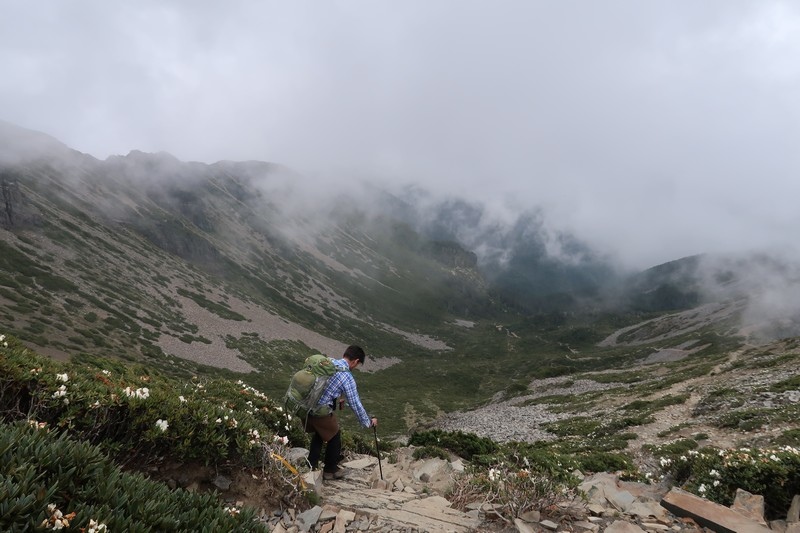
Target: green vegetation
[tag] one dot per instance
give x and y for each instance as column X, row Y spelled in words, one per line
column 716, row 474
column 656, row 405
column 95, row 410
column 462, row 444
column 47, row 477
column 221, row 310
column 754, row 418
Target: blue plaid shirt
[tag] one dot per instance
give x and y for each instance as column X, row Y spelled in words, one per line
column 343, row 383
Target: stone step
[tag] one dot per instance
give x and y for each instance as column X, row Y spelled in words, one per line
column 393, row 509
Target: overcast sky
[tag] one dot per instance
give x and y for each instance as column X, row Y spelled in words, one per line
column 653, row 130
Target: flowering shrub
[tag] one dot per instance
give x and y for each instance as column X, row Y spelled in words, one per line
column 138, row 416
column 513, row 478
column 135, row 413
column 716, row 474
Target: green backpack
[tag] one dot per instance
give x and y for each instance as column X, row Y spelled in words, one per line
column 307, row 386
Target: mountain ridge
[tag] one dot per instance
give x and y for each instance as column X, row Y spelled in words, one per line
column 226, row 266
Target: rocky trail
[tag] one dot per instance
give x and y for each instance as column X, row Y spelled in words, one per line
column 411, row 499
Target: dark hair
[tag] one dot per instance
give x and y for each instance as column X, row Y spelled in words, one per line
column 355, row 353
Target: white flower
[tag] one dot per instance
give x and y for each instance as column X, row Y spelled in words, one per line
column 182, row 399
column 142, row 393
column 702, row 489
column 665, row 461
column 494, row 474
column 716, row 483
column 36, row 425
column 107, row 373
column 162, row 424
column 62, row 377
column 713, row 473
column 62, row 391
column 94, row 527
column 2, row 337
column 774, row 457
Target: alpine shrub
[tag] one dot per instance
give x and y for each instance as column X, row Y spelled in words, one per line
column 464, row 445
column 47, row 478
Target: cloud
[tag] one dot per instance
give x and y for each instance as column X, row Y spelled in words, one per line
column 654, row 131
column 767, row 284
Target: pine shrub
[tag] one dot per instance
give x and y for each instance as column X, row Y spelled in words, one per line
column 47, row 476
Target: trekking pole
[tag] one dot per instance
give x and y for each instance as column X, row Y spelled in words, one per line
column 377, row 450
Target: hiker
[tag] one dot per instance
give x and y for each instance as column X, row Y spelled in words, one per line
column 326, row 428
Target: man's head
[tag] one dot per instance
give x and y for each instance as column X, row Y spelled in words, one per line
column 354, row 356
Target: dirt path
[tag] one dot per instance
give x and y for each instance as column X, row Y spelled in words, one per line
column 676, row 421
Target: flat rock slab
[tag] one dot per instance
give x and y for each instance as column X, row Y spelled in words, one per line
column 360, row 464
column 620, row 526
column 401, row 509
column 368, row 500
column 432, row 514
column 709, row 514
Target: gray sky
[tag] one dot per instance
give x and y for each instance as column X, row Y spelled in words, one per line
column 653, row 130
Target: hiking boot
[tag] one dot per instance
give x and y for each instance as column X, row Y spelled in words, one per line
column 338, row 474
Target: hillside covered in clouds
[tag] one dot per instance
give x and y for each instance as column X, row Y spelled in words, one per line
column 247, row 266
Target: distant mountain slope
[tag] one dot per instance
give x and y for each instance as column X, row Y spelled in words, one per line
column 242, row 266
column 141, row 232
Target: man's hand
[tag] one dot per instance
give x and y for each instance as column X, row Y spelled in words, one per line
column 373, row 422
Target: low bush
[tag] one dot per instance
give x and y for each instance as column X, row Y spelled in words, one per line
column 429, row 452
column 49, row 480
column 140, row 414
column 716, row 474
column 511, row 491
column 139, row 417
column 789, row 437
column 465, row 445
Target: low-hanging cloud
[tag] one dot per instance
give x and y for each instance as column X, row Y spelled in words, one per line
column 652, row 131
column 767, row 284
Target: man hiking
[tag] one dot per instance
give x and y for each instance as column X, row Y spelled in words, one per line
column 326, row 428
